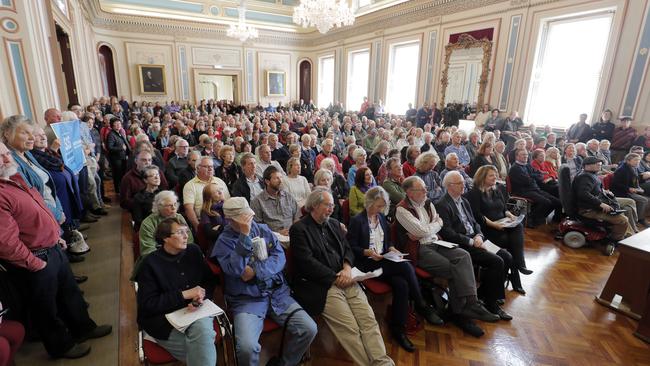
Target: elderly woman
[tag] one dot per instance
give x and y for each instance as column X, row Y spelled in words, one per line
column 173, row 277
column 339, row 184
column 324, row 179
column 519, row 144
column 378, row 157
column 549, row 174
column 553, row 158
column 164, row 206
column 17, row 132
column 143, row 200
column 412, row 153
column 571, row 159
column 369, row 238
column 359, row 162
column 425, row 165
column 296, row 184
column 229, row 172
column 363, row 181
column 489, row 206
column 212, row 221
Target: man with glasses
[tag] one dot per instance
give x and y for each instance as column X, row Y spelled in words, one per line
column 193, row 190
column 177, row 163
column 419, row 223
column 134, row 180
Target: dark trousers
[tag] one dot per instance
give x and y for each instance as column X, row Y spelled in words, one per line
column 512, row 240
column 401, row 277
column 55, row 305
column 118, row 168
column 543, row 204
column 492, row 272
column 83, row 187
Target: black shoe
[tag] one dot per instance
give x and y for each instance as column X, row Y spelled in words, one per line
column 77, row 351
column 477, row 311
column 467, row 325
column 76, row 258
column 496, row 309
column 429, row 313
column 98, row 332
column 403, row 341
column 516, row 283
column 88, row 219
column 525, row 271
column 81, row 279
column 99, row 212
column 501, row 301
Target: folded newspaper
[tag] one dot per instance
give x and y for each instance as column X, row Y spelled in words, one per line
column 181, row 319
column 359, row 276
column 508, row 222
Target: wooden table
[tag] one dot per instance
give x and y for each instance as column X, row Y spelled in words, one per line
column 630, row 280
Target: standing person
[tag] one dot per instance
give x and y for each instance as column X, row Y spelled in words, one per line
column 118, row 152
column 323, row 283
column 255, row 286
column 32, row 249
column 622, row 140
column 579, row 131
column 604, row 129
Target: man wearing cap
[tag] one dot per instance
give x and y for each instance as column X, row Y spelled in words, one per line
column 252, row 260
column 596, row 203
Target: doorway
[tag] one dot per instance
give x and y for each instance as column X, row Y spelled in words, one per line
column 67, row 67
column 217, row 85
column 305, row 80
column 107, row 70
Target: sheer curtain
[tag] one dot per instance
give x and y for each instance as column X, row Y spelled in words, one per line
column 325, row 81
column 567, row 71
column 357, row 80
column 403, row 65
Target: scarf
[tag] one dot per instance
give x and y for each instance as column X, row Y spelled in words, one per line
column 48, row 160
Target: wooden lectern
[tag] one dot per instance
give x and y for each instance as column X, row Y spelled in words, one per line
column 630, row 280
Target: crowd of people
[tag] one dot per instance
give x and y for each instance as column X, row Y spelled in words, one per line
column 287, row 201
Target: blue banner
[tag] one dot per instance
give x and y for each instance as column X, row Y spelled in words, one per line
column 72, row 150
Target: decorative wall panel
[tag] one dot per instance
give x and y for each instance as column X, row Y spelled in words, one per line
column 19, row 76
column 510, row 61
column 639, row 69
column 431, row 59
column 226, row 58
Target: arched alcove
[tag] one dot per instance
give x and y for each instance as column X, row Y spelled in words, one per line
column 107, row 70
column 304, row 83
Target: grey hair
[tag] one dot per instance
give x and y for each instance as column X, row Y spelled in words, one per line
column 149, row 168
column 451, row 155
column 373, row 195
column 198, row 162
column 328, row 164
column 194, row 152
column 316, row 197
column 9, row 125
column 161, row 197
column 291, row 162
column 180, row 141
column 409, row 182
column 382, row 144
column 69, row 116
column 425, row 159
column 245, row 157
column 323, row 173
column 358, row 152
column 449, row 175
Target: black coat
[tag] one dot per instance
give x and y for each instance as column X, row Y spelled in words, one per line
column 241, row 189
column 453, row 229
column 359, row 236
column 313, row 275
column 588, row 191
column 114, row 145
column 524, row 178
column 625, row 177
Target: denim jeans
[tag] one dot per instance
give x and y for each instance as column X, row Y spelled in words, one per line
column 196, row 346
column 301, row 330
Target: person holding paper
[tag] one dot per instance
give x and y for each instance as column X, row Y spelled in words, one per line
column 461, row 228
column 174, row 277
column 369, row 237
column 489, row 206
column 322, row 281
column 252, row 260
column 418, row 224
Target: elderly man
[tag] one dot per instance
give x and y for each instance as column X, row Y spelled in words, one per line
column 596, row 203
column 252, row 260
column 274, row 206
column 134, row 181
column 265, row 161
column 328, row 147
column 525, row 181
column 177, row 163
column 461, row 228
column 248, row 185
column 32, row 252
column 451, row 165
column 51, row 115
column 458, row 148
column 418, row 221
column 323, row 282
column 193, row 190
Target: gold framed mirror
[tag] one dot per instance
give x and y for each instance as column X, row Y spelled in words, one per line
column 465, row 71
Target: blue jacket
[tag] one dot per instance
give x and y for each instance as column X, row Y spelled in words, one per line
column 234, row 251
column 359, row 235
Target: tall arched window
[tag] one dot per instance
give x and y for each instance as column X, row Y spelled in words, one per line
column 305, row 80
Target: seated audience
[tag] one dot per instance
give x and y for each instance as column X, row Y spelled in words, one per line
column 418, row 221
column 323, row 179
column 484, row 156
column 359, row 162
column 525, row 181
column 500, row 160
column 177, row 163
column 595, row 203
column 255, row 286
column 211, row 222
column 625, row 183
column 519, row 145
column 363, row 181
column 349, row 158
column 644, row 172
column 249, row 185
column 323, row 284
column 188, row 173
column 328, row 147
column 458, row 148
column 451, row 165
column 133, row 181
column 265, row 161
column 164, row 206
column 443, row 139
column 549, row 173
column 339, row 185
column 461, row 228
column 412, row 153
column 34, row 260
column 173, row 277
column 378, row 157
column 472, row 145
column 425, row 165
column 489, row 205
column 369, row 238
column 274, row 206
column 143, row 200
column 393, row 183
column 294, row 183
column 572, row 160
column 228, row 172
column 193, row 190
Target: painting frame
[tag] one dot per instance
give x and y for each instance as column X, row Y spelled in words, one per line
column 157, row 84
column 276, row 83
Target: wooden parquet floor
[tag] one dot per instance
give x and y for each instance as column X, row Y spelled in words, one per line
column 556, row 323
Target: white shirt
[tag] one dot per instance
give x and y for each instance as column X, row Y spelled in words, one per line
column 423, row 227
column 193, row 192
column 297, row 187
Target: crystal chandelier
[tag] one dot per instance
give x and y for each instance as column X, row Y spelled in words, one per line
column 323, row 14
column 242, row 31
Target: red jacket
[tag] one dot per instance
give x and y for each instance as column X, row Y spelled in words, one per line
column 546, row 168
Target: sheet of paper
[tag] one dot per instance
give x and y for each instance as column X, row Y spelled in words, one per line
column 491, row 247
column 359, row 276
column 445, row 244
column 181, row 319
column 281, row 238
column 395, row 256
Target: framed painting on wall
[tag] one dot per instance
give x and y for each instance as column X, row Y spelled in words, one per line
column 152, row 79
column 276, row 84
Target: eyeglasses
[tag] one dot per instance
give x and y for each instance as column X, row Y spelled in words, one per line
column 328, row 205
column 182, row 231
column 418, row 189
column 456, row 183
column 170, row 205
column 207, row 166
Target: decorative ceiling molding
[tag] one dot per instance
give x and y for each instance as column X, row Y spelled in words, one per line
column 404, row 13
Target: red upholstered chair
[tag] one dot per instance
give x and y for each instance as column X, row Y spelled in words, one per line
column 136, row 245
column 345, row 212
column 607, row 180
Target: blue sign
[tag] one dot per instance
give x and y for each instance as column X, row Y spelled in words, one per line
column 72, row 149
